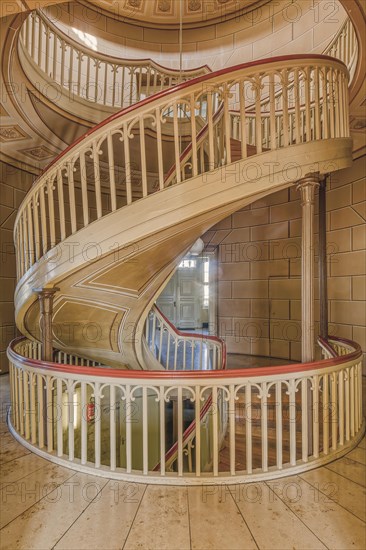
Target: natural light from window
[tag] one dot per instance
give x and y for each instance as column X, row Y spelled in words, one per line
column 88, row 39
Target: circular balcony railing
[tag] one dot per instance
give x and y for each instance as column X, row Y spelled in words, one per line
column 187, row 427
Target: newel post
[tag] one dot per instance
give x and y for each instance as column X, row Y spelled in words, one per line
column 45, row 298
column 307, row 187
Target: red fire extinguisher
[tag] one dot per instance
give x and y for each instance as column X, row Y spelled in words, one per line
column 90, row 410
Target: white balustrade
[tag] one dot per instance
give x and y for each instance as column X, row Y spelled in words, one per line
column 114, row 423
column 177, row 350
column 344, row 46
column 136, row 153
column 90, row 75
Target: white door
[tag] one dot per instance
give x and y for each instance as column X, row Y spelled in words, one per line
column 181, row 299
column 189, row 297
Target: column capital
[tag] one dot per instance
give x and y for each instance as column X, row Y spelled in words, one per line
column 307, row 186
column 45, row 297
column 46, row 292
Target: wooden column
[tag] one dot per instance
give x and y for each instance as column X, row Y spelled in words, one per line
column 45, row 298
column 323, row 287
column 307, row 187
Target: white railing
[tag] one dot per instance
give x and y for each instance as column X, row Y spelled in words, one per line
column 88, row 74
column 111, row 166
column 177, row 350
column 113, row 423
column 344, row 46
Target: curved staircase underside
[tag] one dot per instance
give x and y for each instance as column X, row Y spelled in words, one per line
column 110, row 272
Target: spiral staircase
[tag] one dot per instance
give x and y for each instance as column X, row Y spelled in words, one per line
column 107, row 223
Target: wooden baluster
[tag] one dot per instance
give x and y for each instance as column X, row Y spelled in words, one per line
column 112, row 180
column 97, row 66
column 97, row 424
column 332, row 104
column 71, row 186
column 352, row 400
column 197, row 415
column 84, row 188
column 126, row 145
column 292, row 419
column 315, row 427
column 248, row 427
column 226, row 130
column 258, row 116
column 71, row 68
column 31, row 248
column 326, row 414
column 128, row 417
column 80, row 59
column 286, row 122
column 26, row 404
column 180, row 431
column 279, row 420
column 317, row 124
column 176, row 143
column 40, row 399
column 97, row 187
column 194, row 136
column 61, row 206
column 51, row 212
column 307, row 79
column 162, row 429
column 272, row 106
column 54, row 63
column 28, row 31
column 297, row 106
column 48, row 411
column 112, row 427
column 232, row 428
column 43, row 220
column 159, row 145
column 132, row 72
column 84, row 424
column 333, row 410
column 40, row 31
column 143, row 157
column 211, row 137
column 47, row 54
column 59, row 409
column 87, row 77
column 33, row 41
column 145, row 434
column 63, row 51
column 264, row 426
column 70, row 421
column 105, row 85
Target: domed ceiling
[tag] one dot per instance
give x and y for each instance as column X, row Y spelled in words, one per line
column 157, row 13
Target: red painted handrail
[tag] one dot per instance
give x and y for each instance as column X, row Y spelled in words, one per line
column 197, row 335
column 328, row 346
column 109, row 372
column 183, row 86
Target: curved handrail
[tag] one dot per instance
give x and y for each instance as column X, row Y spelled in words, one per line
column 109, row 372
column 322, row 115
column 333, row 384
column 158, row 318
column 327, row 347
column 344, row 46
column 91, row 75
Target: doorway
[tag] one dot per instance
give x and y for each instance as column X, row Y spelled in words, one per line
column 189, row 299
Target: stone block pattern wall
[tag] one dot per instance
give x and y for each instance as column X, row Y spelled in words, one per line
column 14, row 185
column 259, row 267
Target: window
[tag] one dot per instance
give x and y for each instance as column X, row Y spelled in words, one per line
column 206, row 283
column 190, row 264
